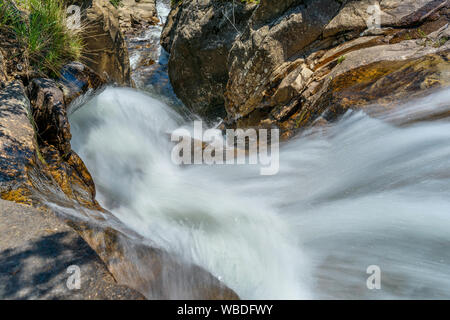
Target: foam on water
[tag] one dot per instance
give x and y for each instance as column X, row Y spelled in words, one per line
column 364, row 192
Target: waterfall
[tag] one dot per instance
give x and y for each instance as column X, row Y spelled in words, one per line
column 361, row 192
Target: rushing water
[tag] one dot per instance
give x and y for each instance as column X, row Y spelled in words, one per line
column 362, row 192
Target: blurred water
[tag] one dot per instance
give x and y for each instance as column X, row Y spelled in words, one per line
column 361, row 192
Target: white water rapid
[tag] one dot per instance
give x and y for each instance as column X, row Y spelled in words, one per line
column 363, row 193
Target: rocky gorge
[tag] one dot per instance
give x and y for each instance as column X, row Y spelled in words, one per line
column 40, row 169
column 288, row 64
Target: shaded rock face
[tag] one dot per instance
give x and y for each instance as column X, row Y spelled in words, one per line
column 76, row 80
column 199, row 36
column 105, row 48
column 298, row 60
column 337, row 64
column 36, row 250
column 137, row 13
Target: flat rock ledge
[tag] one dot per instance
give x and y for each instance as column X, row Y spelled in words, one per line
column 36, row 251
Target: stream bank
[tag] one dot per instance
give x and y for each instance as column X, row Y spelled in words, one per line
column 349, row 196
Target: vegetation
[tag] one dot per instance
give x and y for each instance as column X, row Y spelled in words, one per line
column 117, row 3
column 40, row 28
column 341, row 59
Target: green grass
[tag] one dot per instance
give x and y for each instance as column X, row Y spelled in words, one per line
column 116, row 3
column 41, row 30
column 8, row 16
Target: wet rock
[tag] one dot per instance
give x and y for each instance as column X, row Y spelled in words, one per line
column 294, row 59
column 105, row 48
column 36, row 157
column 36, row 251
column 66, row 175
column 49, row 113
column 199, row 36
column 59, row 162
column 17, row 141
column 137, row 13
column 78, row 79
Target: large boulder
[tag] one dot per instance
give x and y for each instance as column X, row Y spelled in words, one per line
column 17, row 143
column 105, row 47
column 35, row 154
column 277, row 33
column 49, row 113
column 199, row 36
column 297, row 60
column 322, row 58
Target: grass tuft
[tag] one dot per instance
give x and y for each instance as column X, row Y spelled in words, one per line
column 41, row 29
